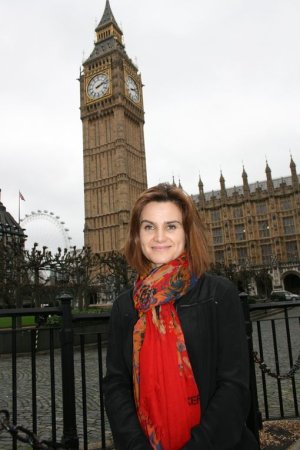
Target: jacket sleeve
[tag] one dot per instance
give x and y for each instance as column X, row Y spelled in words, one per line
column 118, row 390
column 222, row 423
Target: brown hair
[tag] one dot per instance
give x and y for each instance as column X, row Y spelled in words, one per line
column 196, row 242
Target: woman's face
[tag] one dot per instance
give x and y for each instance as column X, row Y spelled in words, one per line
column 162, row 235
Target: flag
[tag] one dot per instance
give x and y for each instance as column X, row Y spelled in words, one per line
column 21, row 196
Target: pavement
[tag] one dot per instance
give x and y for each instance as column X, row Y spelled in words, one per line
column 280, row 435
column 295, row 446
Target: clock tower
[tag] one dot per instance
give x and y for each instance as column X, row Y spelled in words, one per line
column 112, row 114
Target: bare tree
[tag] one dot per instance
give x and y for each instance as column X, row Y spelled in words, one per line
column 39, row 276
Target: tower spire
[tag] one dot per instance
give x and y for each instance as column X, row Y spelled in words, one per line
column 201, row 193
column 200, row 183
column 270, row 185
column 295, row 179
column 108, row 30
column 107, row 18
column 223, row 187
column 246, row 187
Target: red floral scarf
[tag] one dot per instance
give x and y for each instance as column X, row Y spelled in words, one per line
column 165, row 391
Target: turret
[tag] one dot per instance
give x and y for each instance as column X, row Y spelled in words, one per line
column 223, row 188
column 246, row 188
column 295, row 178
column 201, row 193
column 270, row 185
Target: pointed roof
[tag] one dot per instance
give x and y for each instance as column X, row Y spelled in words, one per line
column 246, row 189
column 292, row 163
column 268, row 170
column 270, row 185
column 295, row 179
column 8, row 225
column 244, row 173
column 107, row 39
column 107, row 18
column 223, row 187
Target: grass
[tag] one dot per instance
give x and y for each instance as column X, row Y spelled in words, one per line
column 5, row 322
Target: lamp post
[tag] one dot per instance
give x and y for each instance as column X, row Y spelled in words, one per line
column 275, row 272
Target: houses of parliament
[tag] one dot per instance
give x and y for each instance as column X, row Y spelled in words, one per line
column 251, row 226
column 254, row 224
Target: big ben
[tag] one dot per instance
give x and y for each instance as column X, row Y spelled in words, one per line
column 112, row 115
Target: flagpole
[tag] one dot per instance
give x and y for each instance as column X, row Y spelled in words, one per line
column 21, row 197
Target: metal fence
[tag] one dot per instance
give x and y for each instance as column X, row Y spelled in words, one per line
column 273, row 331
column 276, row 347
column 54, row 387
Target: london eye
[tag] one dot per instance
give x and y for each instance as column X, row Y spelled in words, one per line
column 46, row 229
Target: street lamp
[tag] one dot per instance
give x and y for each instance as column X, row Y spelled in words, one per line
column 275, row 272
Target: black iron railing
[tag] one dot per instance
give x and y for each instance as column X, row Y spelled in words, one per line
column 57, row 393
column 276, row 345
column 48, row 392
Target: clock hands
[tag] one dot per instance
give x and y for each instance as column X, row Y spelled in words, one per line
column 99, row 85
column 132, row 89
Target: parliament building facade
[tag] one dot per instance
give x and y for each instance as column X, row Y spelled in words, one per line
column 256, row 226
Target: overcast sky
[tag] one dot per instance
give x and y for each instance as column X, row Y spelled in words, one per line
column 221, row 90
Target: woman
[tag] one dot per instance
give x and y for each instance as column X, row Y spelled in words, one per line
column 177, row 360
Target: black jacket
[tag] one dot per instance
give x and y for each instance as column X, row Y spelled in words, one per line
column 212, row 322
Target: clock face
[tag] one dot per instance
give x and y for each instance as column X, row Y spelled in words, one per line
column 98, row 86
column 132, row 89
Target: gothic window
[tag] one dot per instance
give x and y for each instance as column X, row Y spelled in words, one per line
column 215, row 215
column 266, row 253
column 237, row 212
column 219, row 256
column 240, row 232
column 288, row 225
column 261, row 208
column 242, row 254
column 217, row 235
column 285, row 203
column 264, row 230
column 292, row 250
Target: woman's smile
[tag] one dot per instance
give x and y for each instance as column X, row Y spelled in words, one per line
column 162, row 235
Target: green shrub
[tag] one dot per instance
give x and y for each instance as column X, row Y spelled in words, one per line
column 53, row 321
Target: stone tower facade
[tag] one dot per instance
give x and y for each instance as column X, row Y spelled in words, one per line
column 112, row 114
